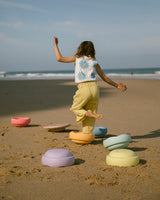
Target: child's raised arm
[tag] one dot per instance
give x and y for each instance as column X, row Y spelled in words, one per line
column 59, row 57
column 120, row 86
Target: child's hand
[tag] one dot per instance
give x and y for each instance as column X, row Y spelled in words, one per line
column 122, row 87
column 55, row 40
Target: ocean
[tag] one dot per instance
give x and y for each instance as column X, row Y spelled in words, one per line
column 130, row 73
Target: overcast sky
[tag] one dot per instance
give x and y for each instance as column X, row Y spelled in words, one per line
column 126, row 33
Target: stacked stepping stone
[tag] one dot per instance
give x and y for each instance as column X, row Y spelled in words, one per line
column 119, row 156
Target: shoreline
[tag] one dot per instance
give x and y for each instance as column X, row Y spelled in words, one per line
column 131, row 77
column 136, row 73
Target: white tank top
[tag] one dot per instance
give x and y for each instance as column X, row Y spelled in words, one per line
column 85, row 69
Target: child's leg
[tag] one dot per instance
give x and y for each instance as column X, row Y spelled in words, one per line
column 80, row 99
column 89, row 122
column 85, row 105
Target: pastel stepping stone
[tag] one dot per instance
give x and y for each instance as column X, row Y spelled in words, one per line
column 81, row 138
column 57, row 127
column 117, row 142
column 58, row 158
column 20, row 121
column 122, row 158
column 99, row 131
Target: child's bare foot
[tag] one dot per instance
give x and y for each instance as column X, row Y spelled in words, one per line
column 89, row 113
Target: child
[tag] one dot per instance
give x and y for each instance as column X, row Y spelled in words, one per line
column 86, row 98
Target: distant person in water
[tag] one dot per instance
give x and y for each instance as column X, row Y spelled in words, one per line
column 86, row 98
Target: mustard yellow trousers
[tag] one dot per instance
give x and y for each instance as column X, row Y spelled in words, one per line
column 86, row 98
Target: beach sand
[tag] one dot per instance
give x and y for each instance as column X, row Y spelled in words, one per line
column 23, row 177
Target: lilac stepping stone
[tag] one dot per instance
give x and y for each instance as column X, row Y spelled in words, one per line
column 58, row 158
